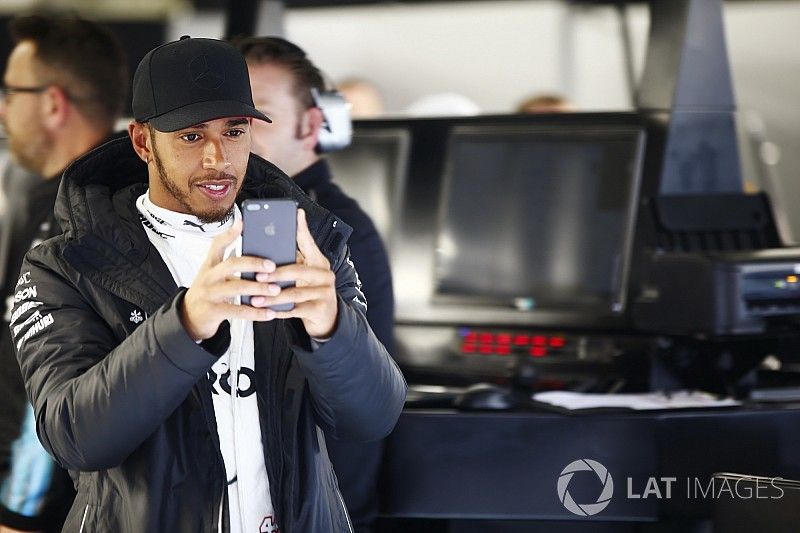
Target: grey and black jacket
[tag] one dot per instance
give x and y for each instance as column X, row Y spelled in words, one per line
column 122, row 395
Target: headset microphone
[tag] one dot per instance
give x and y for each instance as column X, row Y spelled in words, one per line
column 337, row 128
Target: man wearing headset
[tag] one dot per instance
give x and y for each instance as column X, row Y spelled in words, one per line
column 286, row 85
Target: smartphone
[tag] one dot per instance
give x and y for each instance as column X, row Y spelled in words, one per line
column 270, row 231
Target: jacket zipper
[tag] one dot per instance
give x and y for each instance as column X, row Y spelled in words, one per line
column 344, row 508
column 275, row 421
column 221, row 504
column 200, row 391
column 83, row 520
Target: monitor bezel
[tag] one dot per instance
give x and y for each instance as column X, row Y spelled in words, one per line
column 616, row 303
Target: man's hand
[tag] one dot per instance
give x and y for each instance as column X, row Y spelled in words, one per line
column 314, row 293
column 209, row 301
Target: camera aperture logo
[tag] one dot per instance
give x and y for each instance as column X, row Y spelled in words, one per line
column 585, row 509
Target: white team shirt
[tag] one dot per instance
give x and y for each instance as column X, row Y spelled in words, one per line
column 183, row 242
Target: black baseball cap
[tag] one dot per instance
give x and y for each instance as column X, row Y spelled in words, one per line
column 190, row 81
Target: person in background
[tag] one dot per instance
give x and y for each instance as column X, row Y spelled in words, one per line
column 63, row 89
column 363, row 96
column 282, row 77
column 545, row 103
column 446, row 104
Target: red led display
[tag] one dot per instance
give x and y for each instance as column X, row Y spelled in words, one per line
column 557, row 342
column 538, row 351
column 488, row 343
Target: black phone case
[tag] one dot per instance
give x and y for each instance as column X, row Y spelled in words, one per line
column 270, row 231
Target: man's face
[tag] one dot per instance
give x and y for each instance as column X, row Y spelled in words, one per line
column 285, row 142
column 21, row 113
column 199, row 170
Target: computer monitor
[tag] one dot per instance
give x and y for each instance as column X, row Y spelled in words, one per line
column 372, row 170
column 536, row 218
column 535, row 224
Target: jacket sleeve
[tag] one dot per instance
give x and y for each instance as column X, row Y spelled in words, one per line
column 357, row 389
column 97, row 399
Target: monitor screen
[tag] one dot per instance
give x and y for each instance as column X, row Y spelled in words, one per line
column 538, row 218
column 372, row 171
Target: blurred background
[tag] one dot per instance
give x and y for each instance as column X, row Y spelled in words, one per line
column 457, row 310
column 495, row 54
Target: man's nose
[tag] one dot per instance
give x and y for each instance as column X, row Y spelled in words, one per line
column 214, row 156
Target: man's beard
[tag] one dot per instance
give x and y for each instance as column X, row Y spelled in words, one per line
column 182, row 197
column 29, row 151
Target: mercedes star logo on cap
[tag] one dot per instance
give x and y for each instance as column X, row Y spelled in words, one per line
column 205, row 74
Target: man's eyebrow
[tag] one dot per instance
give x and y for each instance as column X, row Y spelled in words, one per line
column 232, row 122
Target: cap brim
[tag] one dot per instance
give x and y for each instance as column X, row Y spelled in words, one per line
column 200, row 112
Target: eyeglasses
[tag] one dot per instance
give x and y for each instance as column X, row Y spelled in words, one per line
column 8, row 90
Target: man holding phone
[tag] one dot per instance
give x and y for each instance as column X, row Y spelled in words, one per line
column 180, row 409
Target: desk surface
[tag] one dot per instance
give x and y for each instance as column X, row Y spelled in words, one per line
column 449, row 464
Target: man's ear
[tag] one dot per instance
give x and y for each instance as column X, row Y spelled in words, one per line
column 56, row 107
column 141, row 141
column 310, row 125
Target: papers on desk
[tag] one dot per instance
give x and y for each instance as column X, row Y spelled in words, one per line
column 644, row 401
